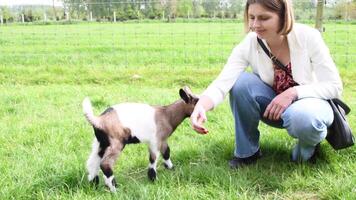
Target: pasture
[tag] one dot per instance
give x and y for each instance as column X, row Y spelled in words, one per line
column 47, row 70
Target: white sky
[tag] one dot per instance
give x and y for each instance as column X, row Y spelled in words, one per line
column 29, row 2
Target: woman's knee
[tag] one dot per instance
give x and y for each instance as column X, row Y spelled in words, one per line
column 307, row 119
column 307, row 127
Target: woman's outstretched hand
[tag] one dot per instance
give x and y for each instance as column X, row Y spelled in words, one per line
column 198, row 118
column 279, row 104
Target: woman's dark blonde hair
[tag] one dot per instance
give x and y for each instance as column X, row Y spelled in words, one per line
column 283, row 8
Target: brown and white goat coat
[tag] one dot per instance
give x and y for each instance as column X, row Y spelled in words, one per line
column 128, row 123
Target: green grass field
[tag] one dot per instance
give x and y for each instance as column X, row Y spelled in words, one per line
column 46, row 71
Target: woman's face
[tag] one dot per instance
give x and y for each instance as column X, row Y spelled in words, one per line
column 262, row 21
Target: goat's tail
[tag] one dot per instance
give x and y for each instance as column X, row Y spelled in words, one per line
column 88, row 112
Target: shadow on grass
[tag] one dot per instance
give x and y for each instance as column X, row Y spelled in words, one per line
column 269, row 173
column 206, row 166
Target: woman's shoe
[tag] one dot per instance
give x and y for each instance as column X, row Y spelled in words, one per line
column 238, row 162
column 316, row 153
column 311, row 160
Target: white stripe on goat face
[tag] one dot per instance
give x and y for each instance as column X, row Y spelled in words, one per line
column 139, row 118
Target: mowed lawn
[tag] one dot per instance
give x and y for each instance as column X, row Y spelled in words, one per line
column 47, row 70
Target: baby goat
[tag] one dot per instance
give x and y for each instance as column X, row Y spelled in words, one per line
column 128, row 123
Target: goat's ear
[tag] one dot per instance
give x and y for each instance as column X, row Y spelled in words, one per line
column 188, row 90
column 184, row 96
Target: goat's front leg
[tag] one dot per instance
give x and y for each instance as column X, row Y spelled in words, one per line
column 154, row 154
column 165, row 151
column 107, row 164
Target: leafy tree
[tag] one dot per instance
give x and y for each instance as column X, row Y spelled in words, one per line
column 345, row 10
column 54, row 10
column 131, row 12
column 210, row 7
column 184, row 8
column 6, row 14
column 197, row 8
column 237, row 8
column 171, row 10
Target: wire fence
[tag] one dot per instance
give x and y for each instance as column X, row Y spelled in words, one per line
column 101, row 34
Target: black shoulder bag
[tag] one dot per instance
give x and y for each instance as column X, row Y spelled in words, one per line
column 339, row 133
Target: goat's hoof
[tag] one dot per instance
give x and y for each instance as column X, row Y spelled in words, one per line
column 110, row 183
column 112, row 189
column 151, row 174
column 168, row 166
column 94, row 181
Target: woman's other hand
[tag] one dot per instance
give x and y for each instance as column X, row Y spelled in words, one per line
column 280, row 103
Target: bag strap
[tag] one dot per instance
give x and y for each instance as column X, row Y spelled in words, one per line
column 343, row 105
column 272, row 57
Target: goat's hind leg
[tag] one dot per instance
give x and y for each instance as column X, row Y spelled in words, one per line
column 108, row 162
column 93, row 163
column 154, row 154
column 166, row 153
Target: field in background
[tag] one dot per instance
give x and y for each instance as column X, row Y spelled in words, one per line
column 46, row 71
column 166, row 45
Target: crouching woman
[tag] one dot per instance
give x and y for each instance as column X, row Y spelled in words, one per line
column 292, row 96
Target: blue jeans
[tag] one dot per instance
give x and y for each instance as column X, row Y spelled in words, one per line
column 306, row 119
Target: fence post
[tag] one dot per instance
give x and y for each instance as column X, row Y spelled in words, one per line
column 91, row 16
column 44, row 17
column 1, row 20
column 348, row 10
column 23, row 18
column 319, row 15
column 114, row 16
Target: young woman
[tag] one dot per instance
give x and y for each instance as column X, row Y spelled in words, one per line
column 293, row 98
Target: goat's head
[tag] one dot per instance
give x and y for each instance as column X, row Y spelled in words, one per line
column 189, row 98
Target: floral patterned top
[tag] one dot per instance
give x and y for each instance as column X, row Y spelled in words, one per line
column 282, row 80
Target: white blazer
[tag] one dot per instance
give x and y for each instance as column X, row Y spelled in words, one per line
column 312, row 66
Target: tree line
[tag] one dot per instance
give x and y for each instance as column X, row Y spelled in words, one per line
column 154, row 9
column 103, row 10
